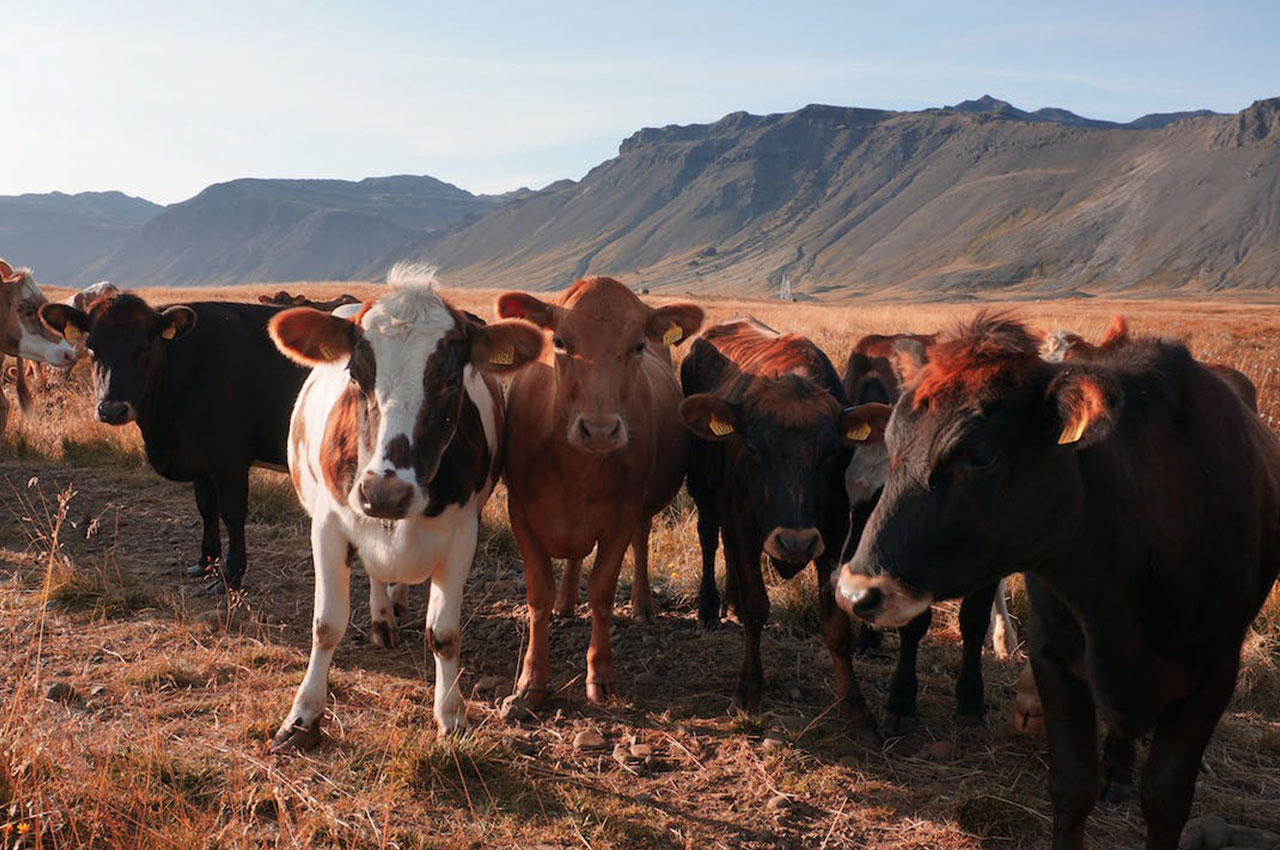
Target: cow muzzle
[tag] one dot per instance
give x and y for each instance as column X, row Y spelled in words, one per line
column 794, row 545
column 598, row 433
column 384, row 497
column 116, row 412
column 881, row 600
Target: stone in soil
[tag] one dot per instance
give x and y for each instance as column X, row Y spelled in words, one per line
column 589, row 739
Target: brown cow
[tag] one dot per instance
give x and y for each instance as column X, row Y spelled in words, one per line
column 1135, row 492
column 594, row 448
column 868, row 375
column 284, row 299
column 22, row 335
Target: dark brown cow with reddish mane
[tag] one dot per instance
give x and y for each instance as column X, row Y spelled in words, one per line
column 1137, row 493
column 767, row 471
column 594, row 450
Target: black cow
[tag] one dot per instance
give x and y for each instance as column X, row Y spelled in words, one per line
column 1140, row 496
column 209, row 391
column 766, row 467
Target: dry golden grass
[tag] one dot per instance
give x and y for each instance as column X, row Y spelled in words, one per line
column 161, row 739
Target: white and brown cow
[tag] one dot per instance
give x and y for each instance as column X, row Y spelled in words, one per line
column 21, row 333
column 394, row 449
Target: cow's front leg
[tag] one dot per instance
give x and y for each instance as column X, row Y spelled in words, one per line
column 211, row 536
column 383, row 629
column 233, row 506
column 301, row 728
column 745, row 590
column 1071, row 726
column 540, row 588
column 602, row 585
column 837, row 635
column 444, row 629
column 642, row 607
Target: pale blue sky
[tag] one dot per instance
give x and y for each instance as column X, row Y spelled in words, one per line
column 160, row 101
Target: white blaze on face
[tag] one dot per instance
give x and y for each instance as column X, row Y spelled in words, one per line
column 403, row 328
column 33, row 343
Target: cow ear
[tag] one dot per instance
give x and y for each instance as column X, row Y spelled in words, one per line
column 310, row 337
column 6, row 272
column 1087, row 406
column 674, row 323
column 505, row 346
column 907, row 359
column 522, row 305
column 709, row 417
column 64, row 319
column 865, row 423
column 177, row 321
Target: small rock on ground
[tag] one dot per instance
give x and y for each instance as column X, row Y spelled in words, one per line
column 589, row 739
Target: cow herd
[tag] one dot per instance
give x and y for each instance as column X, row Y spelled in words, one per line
column 1135, row 487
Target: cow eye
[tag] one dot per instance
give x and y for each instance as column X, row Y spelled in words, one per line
column 639, row 349
column 982, row 458
column 558, row 343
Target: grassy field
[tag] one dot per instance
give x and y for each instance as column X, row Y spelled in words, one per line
column 136, row 712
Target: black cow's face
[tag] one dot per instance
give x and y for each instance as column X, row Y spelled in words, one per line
column 128, row 342
column 976, row 489
column 785, row 438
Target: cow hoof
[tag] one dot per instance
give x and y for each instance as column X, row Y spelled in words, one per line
column 217, row 588
column 898, row 725
column 1115, row 793
column 564, row 613
column 643, row 616
column 296, row 738
column 383, row 635
column 746, row 703
column 862, row 734
column 599, row 693
column 531, row 695
column 199, row 570
column 452, row 724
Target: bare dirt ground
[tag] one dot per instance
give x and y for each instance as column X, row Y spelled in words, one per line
column 136, row 712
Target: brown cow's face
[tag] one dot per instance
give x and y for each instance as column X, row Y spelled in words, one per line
column 128, row 342
column 21, row 332
column 409, row 357
column 981, row 476
column 786, row 442
column 601, row 334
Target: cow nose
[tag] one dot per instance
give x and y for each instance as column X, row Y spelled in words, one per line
column 385, row 497
column 113, row 412
column 600, row 433
column 65, row 357
column 857, row 595
column 794, row 545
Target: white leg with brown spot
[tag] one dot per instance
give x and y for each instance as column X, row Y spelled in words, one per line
column 383, row 630
column 444, row 627
column 1003, row 634
column 301, row 728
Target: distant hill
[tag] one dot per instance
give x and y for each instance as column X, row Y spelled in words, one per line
column 61, row 235
column 979, row 196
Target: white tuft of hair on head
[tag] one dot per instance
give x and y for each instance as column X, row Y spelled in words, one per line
column 410, row 275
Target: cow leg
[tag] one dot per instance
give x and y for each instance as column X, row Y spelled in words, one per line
column 901, row 710
column 1071, row 727
column 567, row 596
column 869, row 637
column 709, row 612
column 540, row 587
column 837, row 634
column 642, row 607
column 4, row 407
column 211, row 540
column 301, row 727
column 399, row 594
column 444, row 629
column 233, row 507
column 383, row 631
column 1169, row 776
column 750, row 599
column 975, row 615
column 1004, row 636
column 1117, row 768
column 602, row 586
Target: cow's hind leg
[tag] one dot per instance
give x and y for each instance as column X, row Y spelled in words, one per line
column 1169, row 776
column 1004, row 636
column 837, row 633
column 901, row 710
column 602, row 586
column 642, row 607
column 567, row 595
column 1117, row 768
column 708, row 539
column 975, row 615
column 444, row 628
column 1071, row 727
column 301, row 727
column 384, row 632
column 742, row 549
column 211, row 539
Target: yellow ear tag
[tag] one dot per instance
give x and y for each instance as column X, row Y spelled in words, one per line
column 719, row 427
column 1072, row 432
column 71, row 332
column 169, row 332
column 859, row 432
column 674, row 334
column 503, row 356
